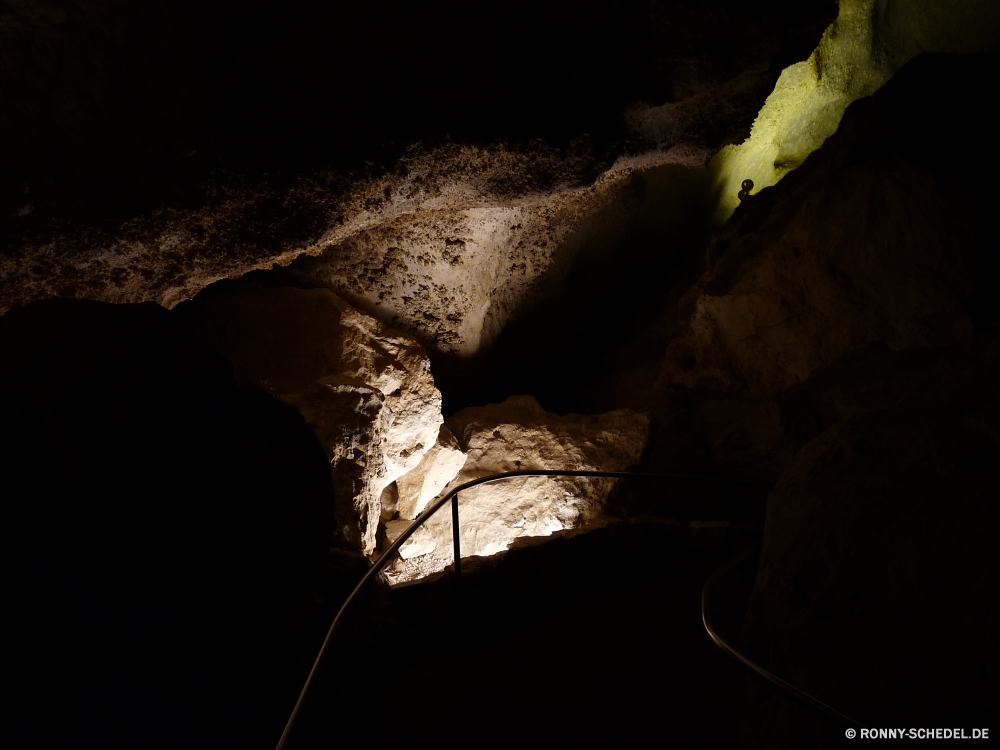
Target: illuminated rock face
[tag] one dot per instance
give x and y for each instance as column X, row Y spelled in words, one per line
column 436, row 469
column 458, row 245
column 365, row 389
column 874, row 245
column 519, row 435
column 846, row 333
column 445, row 242
column 869, row 41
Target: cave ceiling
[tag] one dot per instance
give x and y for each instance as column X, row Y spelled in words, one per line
column 441, row 168
column 427, row 156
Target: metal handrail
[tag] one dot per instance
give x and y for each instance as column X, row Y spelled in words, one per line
column 754, row 667
column 385, row 558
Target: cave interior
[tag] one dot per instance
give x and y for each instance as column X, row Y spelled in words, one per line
column 274, row 276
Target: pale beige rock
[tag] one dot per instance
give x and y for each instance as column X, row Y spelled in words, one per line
column 422, row 542
column 436, row 469
column 518, row 435
column 465, row 240
column 365, row 388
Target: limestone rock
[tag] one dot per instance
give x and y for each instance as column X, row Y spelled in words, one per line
column 152, row 501
column 364, row 388
column 436, row 469
column 823, row 280
column 518, row 434
column 351, row 423
column 480, row 214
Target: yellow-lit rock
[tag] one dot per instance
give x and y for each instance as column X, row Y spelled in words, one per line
column 860, row 51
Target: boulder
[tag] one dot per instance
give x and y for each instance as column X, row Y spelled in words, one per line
column 519, row 435
column 365, row 389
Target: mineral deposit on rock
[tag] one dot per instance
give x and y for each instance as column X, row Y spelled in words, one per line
column 519, row 435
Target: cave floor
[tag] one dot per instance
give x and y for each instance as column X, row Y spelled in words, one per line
column 594, row 640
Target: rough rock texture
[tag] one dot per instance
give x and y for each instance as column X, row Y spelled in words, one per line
column 516, row 435
column 365, row 389
column 165, row 535
column 874, row 244
column 148, row 149
column 436, row 469
column 810, row 272
column 460, row 244
column 841, row 339
column 191, row 143
column 879, row 580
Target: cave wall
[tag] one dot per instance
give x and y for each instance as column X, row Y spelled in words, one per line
column 874, row 264
column 836, row 335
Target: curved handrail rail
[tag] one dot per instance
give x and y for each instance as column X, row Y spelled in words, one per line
column 452, row 495
column 753, row 666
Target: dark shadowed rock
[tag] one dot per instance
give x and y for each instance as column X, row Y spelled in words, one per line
column 365, row 389
column 879, row 580
column 166, row 533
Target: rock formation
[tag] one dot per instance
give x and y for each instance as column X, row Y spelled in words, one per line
column 518, row 435
column 532, row 202
column 876, row 412
column 445, row 240
column 365, row 389
column 788, row 292
column 872, row 244
column 436, row 469
column 877, row 587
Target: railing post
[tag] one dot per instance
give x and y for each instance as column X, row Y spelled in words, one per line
column 457, row 541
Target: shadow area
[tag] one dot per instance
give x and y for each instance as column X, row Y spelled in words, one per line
column 615, row 271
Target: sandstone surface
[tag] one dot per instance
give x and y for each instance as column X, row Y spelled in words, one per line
column 519, row 435
column 365, row 389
